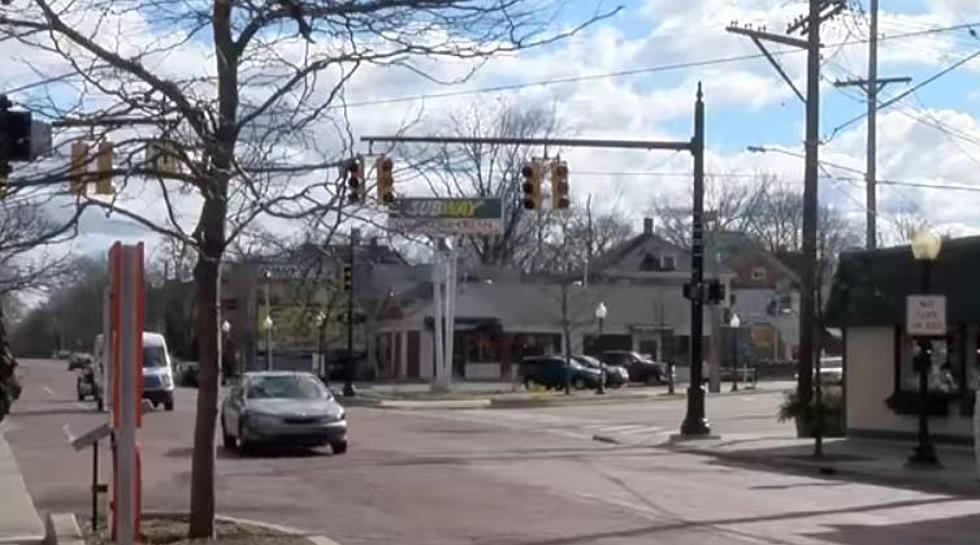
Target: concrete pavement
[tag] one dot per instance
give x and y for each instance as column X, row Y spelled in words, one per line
column 503, row 477
column 19, row 521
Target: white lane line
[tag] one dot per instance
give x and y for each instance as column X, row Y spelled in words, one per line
column 48, row 392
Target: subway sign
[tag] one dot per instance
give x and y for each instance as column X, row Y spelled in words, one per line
column 435, row 216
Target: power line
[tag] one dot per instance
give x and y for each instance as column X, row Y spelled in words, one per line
column 636, row 71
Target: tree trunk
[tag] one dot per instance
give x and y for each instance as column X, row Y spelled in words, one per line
column 206, row 280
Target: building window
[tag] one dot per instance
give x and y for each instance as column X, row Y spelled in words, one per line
column 668, row 263
column 658, row 263
column 945, row 370
column 758, row 274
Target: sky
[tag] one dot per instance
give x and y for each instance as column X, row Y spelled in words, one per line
column 667, row 47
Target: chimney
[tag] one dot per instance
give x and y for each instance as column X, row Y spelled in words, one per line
column 647, row 226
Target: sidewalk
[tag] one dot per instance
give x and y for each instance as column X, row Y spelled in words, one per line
column 866, row 460
column 473, row 395
column 19, row 521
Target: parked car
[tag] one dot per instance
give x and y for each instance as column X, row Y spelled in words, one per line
column 616, row 376
column 283, row 408
column 549, row 371
column 79, row 360
column 640, row 369
column 61, row 354
column 831, row 370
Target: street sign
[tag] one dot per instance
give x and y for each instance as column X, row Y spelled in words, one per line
column 435, row 216
column 925, row 315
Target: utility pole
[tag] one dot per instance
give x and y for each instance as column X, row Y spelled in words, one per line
column 819, row 11
column 871, row 87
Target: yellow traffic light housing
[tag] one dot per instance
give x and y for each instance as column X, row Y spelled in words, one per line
column 386, row 179
column 78, row 169
column 103, row 178
column 531, row 173
column 559, row 185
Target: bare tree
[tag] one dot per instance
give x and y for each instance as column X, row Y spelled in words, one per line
column 248, row 130
column 733, row 205
column 902, row 224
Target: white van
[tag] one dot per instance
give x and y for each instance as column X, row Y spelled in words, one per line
column 158, row 370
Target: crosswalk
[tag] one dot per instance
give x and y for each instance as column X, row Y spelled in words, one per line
column 578, row 427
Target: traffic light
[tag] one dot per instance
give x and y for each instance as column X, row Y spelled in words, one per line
column 103, row 162
column 532, row 184
column 716, row 292
column 347, row 278
column 559, row 185
column 355, row 182
column 78, row 170
column 15, row 128
column 386, row 179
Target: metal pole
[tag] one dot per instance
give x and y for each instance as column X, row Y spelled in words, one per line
column 437, row 308
column 807, row 303
column 602, row 369
column 871, row 173
column 268, row 330
column 95, row 486
column 695, row 424
column 349, row 367
column 924, row 454
column 734, row 359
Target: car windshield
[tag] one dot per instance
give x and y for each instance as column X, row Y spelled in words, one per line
column 154, row 356
column 284, row 387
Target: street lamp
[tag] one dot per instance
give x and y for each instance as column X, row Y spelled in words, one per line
column 225, row 330
column 925, row 249
column 600, row 314
column 321, row 322
column 267, row 325
column 734, row 323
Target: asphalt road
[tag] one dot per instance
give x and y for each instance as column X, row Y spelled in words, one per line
column 508, row 477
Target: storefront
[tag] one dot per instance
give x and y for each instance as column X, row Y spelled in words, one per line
column 868, row 303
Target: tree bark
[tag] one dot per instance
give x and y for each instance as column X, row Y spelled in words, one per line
column 206, row 276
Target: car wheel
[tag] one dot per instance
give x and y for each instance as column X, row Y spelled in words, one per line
column 339, row 447
column 578, row 383
column 168, row 405
column 99, row 405
column 652, row 379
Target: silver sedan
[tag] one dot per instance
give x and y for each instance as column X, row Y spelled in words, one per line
column 282, row 408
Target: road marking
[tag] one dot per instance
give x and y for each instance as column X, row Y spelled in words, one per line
column 48, row 392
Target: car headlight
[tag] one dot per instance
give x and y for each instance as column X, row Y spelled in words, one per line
column 167, row 380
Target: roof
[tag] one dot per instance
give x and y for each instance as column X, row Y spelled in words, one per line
column 870, row 287
column 629, row 255
column 739, row 252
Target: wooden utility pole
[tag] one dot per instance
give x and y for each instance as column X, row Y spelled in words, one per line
column 819, row 11
column 871, row 87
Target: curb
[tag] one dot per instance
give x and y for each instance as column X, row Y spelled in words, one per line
column 316, row 539
column 832, row 469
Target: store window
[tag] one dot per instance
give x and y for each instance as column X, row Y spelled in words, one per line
column 945, row 369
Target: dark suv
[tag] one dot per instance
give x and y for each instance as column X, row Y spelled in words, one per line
column 640, row 369
column 549, row 371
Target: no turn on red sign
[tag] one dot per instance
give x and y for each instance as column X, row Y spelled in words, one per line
column 925, row 315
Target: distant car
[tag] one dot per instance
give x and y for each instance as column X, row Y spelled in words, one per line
column 61, row 354
column 831, row 370
column 79, row 360
column 549, row 371
column 187, row 373
column 282, row 408
column 616, row 376
column 640, row 369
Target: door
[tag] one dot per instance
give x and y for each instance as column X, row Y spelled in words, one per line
column 414, row 345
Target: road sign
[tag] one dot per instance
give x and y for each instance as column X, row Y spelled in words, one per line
column 925, row 315
column 435, row 216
